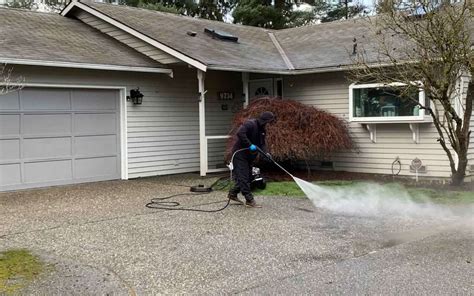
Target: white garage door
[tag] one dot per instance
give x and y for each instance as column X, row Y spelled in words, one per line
column 53, row 136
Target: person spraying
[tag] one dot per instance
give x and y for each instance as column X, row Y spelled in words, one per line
column 251, row 135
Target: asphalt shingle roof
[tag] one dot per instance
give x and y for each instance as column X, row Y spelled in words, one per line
column 326, row 45
column 323, row 47
column 254, row 50
column 51, row 37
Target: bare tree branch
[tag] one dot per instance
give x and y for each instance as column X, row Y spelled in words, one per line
column 8, row 82
column 431, row 44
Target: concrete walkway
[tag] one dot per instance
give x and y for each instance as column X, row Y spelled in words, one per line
column 101, row 239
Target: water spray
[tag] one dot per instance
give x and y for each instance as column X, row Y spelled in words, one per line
column 369, row 199
column 365, row 199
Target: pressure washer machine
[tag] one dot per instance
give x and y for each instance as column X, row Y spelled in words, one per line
column 257, row 179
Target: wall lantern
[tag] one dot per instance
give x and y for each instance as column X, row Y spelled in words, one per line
column 135, row 96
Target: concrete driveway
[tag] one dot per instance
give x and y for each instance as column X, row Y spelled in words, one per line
column 101, row 239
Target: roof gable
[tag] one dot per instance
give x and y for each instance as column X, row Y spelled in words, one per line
column 254, row 50
column 124, row 37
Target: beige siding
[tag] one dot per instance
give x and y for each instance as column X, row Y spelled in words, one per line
column 330, row 92
column 163, row 132
column 135, row 43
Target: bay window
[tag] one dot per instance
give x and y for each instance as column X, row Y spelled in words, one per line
column 372, row 103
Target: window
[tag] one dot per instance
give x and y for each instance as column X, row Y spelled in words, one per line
column 279, row 87
column 384, row 103
column 261, row 92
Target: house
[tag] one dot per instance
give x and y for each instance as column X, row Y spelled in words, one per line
column 73, row 120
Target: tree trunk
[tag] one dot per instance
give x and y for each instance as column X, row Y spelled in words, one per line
column 458, row 175
column 279, row 4
column 457, row 178
column 346, row 6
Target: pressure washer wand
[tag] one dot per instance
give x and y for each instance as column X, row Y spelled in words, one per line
column 276, row 163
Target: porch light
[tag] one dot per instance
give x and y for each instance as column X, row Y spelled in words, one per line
column 135, row 96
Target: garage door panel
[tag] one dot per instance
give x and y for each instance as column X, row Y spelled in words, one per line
column 47, row 147
column 10, row 101
column 10, row 174
column 46, row 124
column 95, row 123
column 9, row 125
column 94, row 99
column 54, row 136
column 45, row 99
column 9, row 150
column 48, row 171
column 96, row 167
column 95, row 145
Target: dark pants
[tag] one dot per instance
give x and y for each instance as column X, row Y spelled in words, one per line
column 242, row 175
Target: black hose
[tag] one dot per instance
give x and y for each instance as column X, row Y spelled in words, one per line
column 160, row 203
column 399, row 166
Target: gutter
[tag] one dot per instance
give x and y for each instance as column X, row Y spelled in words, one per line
column 86, row 66
column 280, row 72
column 337, row 68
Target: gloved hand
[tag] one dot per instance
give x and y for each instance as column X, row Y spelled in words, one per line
column 269, row 156
column 253, row 148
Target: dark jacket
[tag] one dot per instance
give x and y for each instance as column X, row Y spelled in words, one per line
column 250, row 132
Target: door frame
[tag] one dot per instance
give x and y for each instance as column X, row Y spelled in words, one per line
column 274, row 84
column 122, row 114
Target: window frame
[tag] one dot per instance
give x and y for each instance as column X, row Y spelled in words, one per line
column 385, row 119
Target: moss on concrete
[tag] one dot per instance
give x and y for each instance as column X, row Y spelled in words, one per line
column 18, row 267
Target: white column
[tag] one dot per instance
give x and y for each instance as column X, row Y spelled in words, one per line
column 202, row 123
column 245, row 84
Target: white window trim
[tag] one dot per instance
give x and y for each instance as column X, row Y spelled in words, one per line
column 385, row 119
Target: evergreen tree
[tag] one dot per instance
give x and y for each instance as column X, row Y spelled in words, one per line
column 343, row 11
column 208, row 9
column 278, row 15
column 45, row 5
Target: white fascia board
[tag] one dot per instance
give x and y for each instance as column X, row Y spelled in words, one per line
column 279, row 72
column 137, row 34
column 68, row 7
column 339, row 68
column 85, row 66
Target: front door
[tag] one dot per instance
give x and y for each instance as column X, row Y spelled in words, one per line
column 260, row 88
